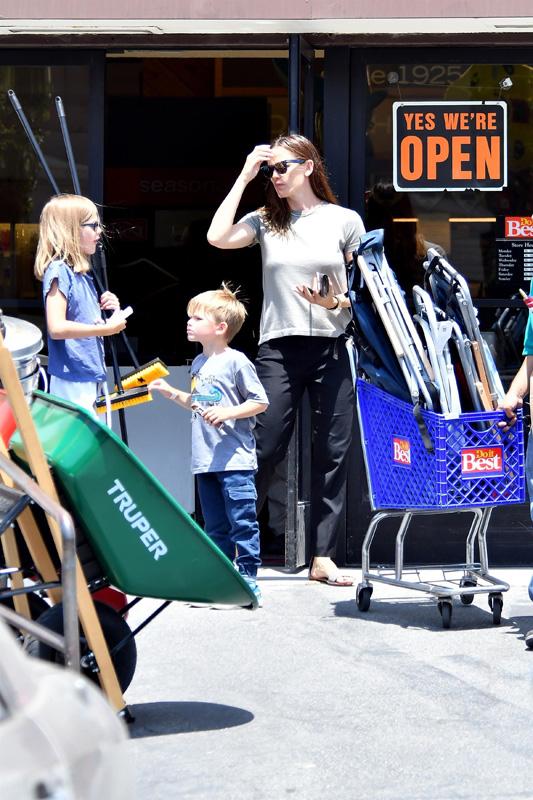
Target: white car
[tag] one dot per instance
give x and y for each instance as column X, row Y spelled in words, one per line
column 59, row 737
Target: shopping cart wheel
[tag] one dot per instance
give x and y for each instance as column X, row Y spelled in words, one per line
column 466, row 599
column 445, row 609
column 115, row 630
column 496, row 605
column 364, row 593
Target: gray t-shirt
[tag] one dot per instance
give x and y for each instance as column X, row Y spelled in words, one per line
column 224, row 379
column 315, row 242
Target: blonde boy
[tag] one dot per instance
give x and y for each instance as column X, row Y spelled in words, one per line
column 225, row 397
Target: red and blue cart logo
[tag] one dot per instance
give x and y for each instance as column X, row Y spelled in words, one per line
column 481, row 461
column 401, row 451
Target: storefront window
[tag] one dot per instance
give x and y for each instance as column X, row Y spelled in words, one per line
column 24, row 187
column 177, row 132
column 469, row 226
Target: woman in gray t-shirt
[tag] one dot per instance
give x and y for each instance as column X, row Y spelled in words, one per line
column 303, row 234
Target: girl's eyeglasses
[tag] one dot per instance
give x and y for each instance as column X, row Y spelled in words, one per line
column 281, row 167
column 93, row 225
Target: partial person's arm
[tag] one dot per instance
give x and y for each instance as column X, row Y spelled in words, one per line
column 219, row 414
column 223, row 231
column 177, row 395
column 59, row 327
column 518, row 389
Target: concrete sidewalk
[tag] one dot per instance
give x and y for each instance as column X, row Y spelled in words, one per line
column 308, row 697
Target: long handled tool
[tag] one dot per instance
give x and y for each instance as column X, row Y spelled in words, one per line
column 98, row 260
column 140, row 376
column 68, row 147
column 31, row 138
column 131, row 389
column 55, row 188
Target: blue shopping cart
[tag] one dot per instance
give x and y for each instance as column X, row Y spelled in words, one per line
column 473, row 467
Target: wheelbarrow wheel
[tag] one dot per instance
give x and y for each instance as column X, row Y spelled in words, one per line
column 115, row 630
column 37, row 606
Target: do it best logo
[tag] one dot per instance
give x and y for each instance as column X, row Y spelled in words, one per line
column 401, row 451
column 479, row 461
column 518, row 227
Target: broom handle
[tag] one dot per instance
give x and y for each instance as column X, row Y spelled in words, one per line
column 33, row 141
column 76, row 183
column 68, row 147
column 40, row 155
column 101, row 289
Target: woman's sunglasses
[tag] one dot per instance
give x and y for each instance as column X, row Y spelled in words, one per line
column 93, row 225
column 281, row 167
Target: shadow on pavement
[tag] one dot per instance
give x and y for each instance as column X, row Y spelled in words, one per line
column 423, row 614
column 522, row 625
column 162, row 719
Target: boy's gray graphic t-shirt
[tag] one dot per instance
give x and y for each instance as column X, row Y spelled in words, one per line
column 316, row 241
column 223, row 379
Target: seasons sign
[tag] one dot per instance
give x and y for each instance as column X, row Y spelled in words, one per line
column 452, row 146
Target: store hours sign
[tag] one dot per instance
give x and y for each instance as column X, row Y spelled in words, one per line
column 450, row 145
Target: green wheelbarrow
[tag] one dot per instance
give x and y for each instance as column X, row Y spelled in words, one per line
column 140, row 539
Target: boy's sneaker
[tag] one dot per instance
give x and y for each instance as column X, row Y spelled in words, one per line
column 254, row 586
column 257, row 591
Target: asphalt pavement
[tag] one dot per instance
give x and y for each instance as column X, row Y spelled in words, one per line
column 308, row 697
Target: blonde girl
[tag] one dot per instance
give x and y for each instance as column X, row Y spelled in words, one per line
column 69, row 232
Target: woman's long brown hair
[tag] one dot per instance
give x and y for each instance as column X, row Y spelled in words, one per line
column 276, row 211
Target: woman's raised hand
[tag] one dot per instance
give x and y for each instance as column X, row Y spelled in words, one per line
column 260, row 153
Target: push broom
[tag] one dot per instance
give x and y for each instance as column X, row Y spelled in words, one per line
column 131, row 388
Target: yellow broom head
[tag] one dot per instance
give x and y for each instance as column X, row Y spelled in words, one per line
column 129, row 397
column 141, row 376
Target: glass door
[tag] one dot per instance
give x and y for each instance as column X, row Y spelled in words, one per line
column 486, row 235
column 473, row 228
column 24, row 187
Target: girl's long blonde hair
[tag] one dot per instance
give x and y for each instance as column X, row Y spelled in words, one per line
column 59, row 232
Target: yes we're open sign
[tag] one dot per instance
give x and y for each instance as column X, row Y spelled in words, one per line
column 450, row 145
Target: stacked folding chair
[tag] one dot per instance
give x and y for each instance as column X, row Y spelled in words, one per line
column 445, row 364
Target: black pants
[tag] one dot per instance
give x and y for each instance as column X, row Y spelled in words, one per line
column 287, row 367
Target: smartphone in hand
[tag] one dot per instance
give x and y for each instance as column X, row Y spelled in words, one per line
column 322, row 282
